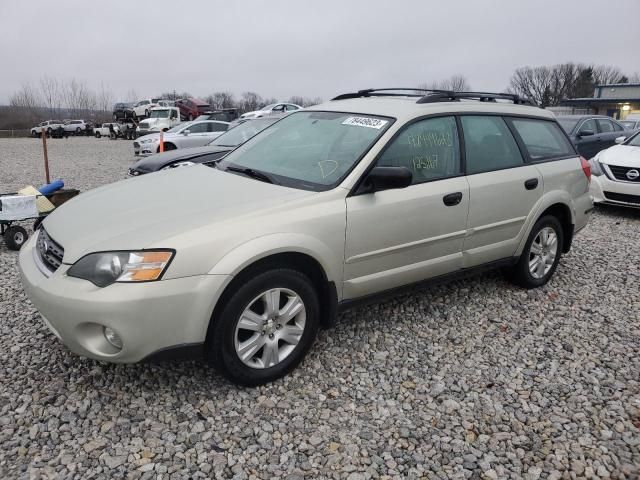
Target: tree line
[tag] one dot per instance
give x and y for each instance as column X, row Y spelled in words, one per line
column 50, row 97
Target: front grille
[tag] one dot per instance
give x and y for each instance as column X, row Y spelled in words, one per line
column 623, row 197
column 620, row 173
column 50, row 251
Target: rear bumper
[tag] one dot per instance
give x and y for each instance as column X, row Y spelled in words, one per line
column 605, row 190
column 151, row 318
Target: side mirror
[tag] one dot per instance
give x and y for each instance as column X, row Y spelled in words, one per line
column 619, row 140
column 386, row 178
column 186, row 132
column 586, row 133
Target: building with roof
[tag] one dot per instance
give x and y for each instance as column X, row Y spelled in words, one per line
column 617, row 100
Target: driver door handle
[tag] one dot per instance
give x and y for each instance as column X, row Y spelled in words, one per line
column 531, row 184
column 452, row 199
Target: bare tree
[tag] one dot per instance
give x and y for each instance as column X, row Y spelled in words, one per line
column 104, row 99
column 250, row 101
column 606, row 74
column 219, row 100
column 51, row 95
column 27, row 97
column 634, row 78
column 455, row 83
column 132, row 96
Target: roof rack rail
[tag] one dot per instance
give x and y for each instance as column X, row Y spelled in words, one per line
column 387, row 92
column 481, row 96
column 431, row 95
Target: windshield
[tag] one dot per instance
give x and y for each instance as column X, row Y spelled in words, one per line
column 628, row 124
column 243, row 132
column 178, row 128
column 269, row 107
column 634, row 141
column 310, row 150
column 160, row 113
column 567, row 124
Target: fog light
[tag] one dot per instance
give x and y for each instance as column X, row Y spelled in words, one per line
column 113, row 338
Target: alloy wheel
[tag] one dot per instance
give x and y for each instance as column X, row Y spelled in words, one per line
column 270, row 328
column 543, row 252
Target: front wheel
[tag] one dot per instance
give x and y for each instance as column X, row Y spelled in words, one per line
column 541, row 254
column 98, row 134
column 265, row 328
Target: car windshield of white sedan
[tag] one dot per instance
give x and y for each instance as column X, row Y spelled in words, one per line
column 159, row 114
column 634, row 141
column 178, row 128
column 310, row 150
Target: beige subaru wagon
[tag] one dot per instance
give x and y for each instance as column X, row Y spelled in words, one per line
column 241, row 260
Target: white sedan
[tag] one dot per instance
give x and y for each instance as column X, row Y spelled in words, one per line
column 185, row 135
column 273, row 109
column 616, row 173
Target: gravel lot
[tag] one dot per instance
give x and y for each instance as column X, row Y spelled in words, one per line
column 473, row 379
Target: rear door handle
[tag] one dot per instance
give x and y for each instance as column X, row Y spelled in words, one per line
column 452, row 199
column 531, row 184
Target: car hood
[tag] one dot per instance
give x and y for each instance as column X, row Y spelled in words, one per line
column 147, row 211
column 159, row 160
column 621, row 155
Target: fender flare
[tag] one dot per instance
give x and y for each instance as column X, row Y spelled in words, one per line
column 236, row 260
column 547, row 200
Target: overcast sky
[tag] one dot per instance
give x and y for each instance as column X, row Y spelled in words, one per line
column 311, row 48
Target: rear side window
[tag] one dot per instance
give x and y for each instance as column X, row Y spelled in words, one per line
column 605, row 126
column 588, row 126
column 617, row 128
column 218, row 127
column 489, row 144
column 429, row 148
column 542, row 139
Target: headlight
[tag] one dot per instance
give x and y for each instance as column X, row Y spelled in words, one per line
column 596, row 167
column 185, row 163
column 103, row 269
column 148, row 140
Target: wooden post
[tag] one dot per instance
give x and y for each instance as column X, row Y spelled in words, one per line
column 43, row 134
column 161, row 141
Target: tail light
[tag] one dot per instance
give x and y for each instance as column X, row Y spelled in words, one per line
column 586, row 168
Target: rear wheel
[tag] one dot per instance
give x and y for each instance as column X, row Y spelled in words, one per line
column 265, row 328
column 541, row 254
column 98, row 134
column 15, row 236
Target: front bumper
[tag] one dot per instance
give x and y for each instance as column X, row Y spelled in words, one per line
column 623, row 192
column 149, row 317
column 145, row 149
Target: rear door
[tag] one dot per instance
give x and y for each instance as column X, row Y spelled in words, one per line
column 503, row 189
column 397, row 237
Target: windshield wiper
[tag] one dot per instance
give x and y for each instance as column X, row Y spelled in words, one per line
column 250, row 172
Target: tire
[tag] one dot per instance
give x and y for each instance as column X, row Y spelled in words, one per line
column 190, row 117
column 169, row 146
column 15, row 236
column 226, row 336
column 98, row 134
column 528, row 274
column 78, row 130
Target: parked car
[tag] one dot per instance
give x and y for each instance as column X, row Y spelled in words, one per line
column 185, row 135
column 47, row 126
column 242, row 260
column 190, row 108
column 214, row 150
column 274, row 108
column 103, row 130
column 630, row 124
column 77, row 127
column 616, row 173
column 591, row 133
column 225, row 115
column 160, row 119
column 123, row 111
column 143, row 108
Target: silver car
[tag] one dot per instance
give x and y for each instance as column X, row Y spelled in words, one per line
column 185, row 135
column 243, row 259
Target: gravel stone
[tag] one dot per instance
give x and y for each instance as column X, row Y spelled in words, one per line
column 470, row 379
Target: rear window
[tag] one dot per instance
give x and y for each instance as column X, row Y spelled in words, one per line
column 542, row 139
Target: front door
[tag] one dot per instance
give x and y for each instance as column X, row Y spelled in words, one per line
column 397, row 237
column 588, row 139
